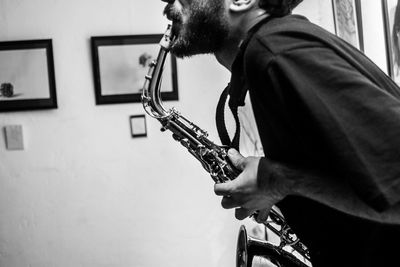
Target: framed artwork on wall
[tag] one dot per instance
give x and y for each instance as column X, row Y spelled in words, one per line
column 391, row 15
column 120, row 64
column 27, row 79
column 138, row 126
column 348, row 21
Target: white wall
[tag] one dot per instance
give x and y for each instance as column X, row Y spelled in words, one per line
column 374, row 38
column 83, row 193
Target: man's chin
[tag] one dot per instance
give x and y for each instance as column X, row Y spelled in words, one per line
column 181, row 51
column 184, row 50
column 180, row 47
column 187, row 45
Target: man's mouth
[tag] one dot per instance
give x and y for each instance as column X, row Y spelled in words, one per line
column 175, row 18
column 168, row 15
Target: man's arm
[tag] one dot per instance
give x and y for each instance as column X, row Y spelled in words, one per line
column 263, row 183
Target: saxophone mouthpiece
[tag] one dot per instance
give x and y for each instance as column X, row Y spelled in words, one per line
column 166, row 40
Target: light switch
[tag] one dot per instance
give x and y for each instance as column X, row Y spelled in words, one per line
column 14, row 137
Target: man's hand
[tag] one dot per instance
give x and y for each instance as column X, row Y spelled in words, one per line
column 263, row 182
column 250, row 191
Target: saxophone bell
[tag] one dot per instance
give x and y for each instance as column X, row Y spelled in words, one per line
column 249, row 248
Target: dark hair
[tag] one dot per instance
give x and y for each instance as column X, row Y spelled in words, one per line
column 279, row 7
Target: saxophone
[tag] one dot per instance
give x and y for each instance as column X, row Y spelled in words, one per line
column 214, row 159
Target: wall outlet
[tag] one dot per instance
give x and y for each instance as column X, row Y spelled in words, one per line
column 14, row 137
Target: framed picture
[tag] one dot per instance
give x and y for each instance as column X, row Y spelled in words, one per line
column 138, row 126
column 348, row 21
column 120, row 64
column 27, row 79
column 391, row 15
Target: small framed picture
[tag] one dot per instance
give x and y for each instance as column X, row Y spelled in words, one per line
column 348, row 21
column 391, row 15
column 138, row 125
column 27, row 79
column 120, row 64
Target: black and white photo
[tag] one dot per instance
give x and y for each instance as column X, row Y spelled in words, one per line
column 391, row 15
column 27, row 78
column 138, row 126
column 120, row 64
column 348, row 21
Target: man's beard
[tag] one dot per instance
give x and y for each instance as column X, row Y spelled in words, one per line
column 204, row 32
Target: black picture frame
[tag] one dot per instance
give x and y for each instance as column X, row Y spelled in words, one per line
column 27, row 76
column 120, row 64
column 348, row 21
column 138, row 125
column 391, row 25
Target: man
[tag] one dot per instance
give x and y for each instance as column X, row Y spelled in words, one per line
column 328, row 120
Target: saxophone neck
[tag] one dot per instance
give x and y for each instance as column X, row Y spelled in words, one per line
column 167, row 38
column 151, row 94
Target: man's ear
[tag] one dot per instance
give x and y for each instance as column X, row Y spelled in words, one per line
column 241, row 5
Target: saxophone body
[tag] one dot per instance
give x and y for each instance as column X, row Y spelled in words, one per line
column 214, row 159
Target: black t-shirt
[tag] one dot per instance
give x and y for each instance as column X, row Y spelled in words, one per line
column 320, row 103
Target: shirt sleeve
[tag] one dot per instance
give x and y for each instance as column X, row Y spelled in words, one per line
column 357, row 121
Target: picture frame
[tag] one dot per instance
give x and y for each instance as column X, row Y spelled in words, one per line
column 138, row 125
column 391, row 16
column 120, row 64
column 27, row 77
column 348, row 21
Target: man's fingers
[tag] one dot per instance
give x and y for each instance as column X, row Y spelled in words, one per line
column 224, row 189
column 229, row 203
column 242, row 213
column 261, row 215
column 236, row 158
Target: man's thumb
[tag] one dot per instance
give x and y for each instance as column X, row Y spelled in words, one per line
column 236, row 158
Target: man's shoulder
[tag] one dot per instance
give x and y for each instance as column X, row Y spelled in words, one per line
column 291, row 32
column 284, row 23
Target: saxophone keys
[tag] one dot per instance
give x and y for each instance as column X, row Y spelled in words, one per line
column 153, row 63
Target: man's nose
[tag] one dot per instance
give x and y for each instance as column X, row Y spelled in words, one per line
column 169, row 1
